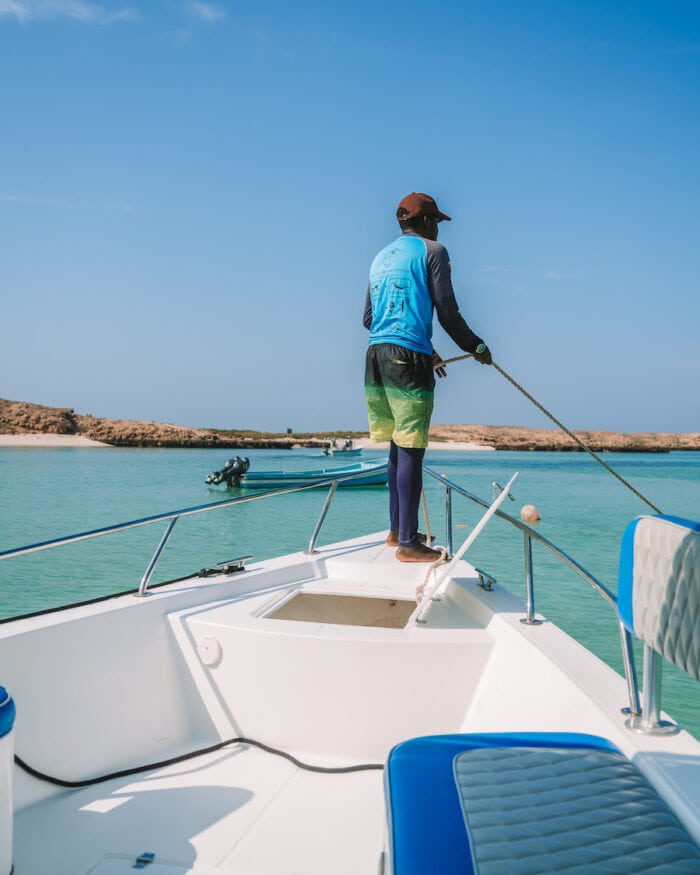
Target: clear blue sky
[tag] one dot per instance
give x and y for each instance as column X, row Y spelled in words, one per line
column 191, row 194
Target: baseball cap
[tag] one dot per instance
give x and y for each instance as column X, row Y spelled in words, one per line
column 417, row 204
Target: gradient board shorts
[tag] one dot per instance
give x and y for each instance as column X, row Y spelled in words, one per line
column 399, row 386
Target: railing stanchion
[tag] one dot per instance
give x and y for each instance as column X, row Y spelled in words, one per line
column 630, row 670
column 529, row 619
column 652, row 685
column 448, row 520
column 327, row 504
column 143, row 587
column 650, row 722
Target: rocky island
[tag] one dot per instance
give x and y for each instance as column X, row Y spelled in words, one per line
column 23, row 418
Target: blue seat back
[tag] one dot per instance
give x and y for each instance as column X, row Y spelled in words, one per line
column 659, row 587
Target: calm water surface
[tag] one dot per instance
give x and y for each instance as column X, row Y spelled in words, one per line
column 48, row 493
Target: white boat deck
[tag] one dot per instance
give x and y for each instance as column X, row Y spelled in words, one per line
column 240, row 810
column 206, row 662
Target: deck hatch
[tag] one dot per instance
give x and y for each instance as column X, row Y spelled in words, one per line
column 345, row 610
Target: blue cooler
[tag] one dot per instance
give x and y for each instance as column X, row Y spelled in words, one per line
column 7, row 722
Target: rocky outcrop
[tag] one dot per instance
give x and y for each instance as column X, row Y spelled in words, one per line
column 19, row 417
column 506, row 437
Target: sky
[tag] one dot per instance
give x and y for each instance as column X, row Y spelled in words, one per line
column 191, row 194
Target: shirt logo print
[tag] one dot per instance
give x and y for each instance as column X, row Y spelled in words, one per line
column 390, row 256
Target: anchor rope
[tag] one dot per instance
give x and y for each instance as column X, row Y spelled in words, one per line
column 430, row 569
column 559, row 424
column 424, row 505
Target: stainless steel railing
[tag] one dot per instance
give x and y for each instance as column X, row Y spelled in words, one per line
column 172, row 518
column 530, row 535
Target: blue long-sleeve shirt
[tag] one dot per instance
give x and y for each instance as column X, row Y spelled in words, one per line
column 409, row 280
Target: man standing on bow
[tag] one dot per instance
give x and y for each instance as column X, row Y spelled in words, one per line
column 409, row 280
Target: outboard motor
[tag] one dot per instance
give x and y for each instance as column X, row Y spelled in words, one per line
column 231, row 473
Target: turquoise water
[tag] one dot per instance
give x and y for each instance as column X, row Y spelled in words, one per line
column 48, row 493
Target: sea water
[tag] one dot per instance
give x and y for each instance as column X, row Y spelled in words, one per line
column 49, row 493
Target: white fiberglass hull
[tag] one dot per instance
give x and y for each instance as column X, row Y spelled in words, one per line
column 130, row 681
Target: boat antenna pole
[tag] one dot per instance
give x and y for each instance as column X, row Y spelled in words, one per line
column 559, row 424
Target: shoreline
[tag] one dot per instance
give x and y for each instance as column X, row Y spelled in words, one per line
column 458, row 446
column 43, row 440
column 23, row 424
column 52, row 441
column 48, row 440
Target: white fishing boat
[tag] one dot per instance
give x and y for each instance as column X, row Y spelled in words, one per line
column 347, row 447
column 313, row 714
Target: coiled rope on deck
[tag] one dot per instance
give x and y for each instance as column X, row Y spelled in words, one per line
column 559, row 424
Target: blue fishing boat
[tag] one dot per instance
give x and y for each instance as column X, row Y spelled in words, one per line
column 236, row 473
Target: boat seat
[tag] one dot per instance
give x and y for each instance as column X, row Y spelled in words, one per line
column 659, row 587
column 527, row 803
column 530, row 803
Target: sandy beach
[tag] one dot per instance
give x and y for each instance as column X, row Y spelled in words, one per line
column 72, row 440
column 48, row 440
column 459, row 446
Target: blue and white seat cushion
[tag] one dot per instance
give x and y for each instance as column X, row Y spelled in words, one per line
column 659, row 587
column 525, row 804
column 530, row 803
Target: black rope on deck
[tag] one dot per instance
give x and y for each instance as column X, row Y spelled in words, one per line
column 135, row 770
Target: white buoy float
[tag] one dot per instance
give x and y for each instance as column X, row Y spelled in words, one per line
column 529, row 514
